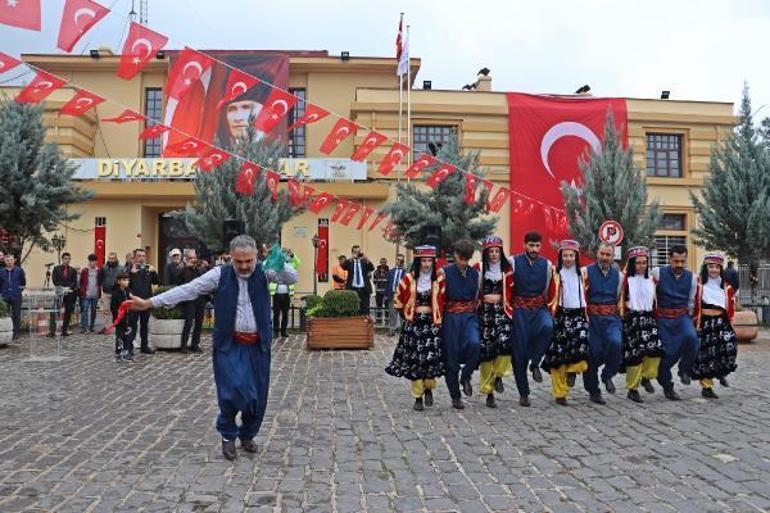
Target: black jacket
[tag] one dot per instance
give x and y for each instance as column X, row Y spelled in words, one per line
column 141, row 282
column 68, row 279
column 118, row 296
column 366, row 267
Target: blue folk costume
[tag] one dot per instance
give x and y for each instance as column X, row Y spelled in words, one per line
column 605, row 327
column 460, row 330
column 676, row 302
column 532, row 322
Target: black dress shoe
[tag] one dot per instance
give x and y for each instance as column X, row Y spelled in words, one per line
column 499, row 387
column 467, row 388
column 196, row 350
column 723, row 382
column 491, row 401
column 571, row 379
column 418, row 404
column 685, row 378
column 597, row 398
column 524, row 401
column 671, row 395
column 284, row 335
column 647, row 384
column 184, row 350
column 228, row 449
column 248, row 445
column 609, row 386
column 428, row 397
column 561, row 401
column 536, row 374
column 146, row 350
column 458, row 404
column 634, row 396
column 709, row 393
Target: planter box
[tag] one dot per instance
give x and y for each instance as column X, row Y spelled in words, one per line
column 6, row 331
column 340, row 333
column 745, row 325
column 165, row 333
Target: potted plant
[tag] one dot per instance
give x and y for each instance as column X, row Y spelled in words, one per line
column 6, row 325
column 334, row 322
column 745, row 324
column 166, row 325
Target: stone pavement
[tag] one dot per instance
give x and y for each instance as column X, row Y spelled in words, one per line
column 85, row 434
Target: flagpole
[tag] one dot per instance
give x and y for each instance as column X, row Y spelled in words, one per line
column 408, row 101
column 400, row 115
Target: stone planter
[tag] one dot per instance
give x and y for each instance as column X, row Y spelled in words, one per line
column 745, row 325
column 165, row 333
column 6, row 331
column 340, row 333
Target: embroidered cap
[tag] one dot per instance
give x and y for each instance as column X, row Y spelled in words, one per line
column 638, row 251
column 493, row 241
column 569, row 244
column 714, row 258
column 424, row 252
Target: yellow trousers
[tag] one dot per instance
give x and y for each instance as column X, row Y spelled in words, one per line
column 707, row 383
column 419, row 386
column 489, row 371
column 648, row 369
column 559, row 377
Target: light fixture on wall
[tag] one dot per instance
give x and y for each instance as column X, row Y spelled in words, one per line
column 345, row 56
column 664, row 95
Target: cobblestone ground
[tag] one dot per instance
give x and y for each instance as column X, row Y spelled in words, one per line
column 86, row 434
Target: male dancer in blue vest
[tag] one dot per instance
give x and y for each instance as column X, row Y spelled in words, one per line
column 242, row 337
column 532, row 322
column 676, row 288
column 460, row 330
column 603, row 284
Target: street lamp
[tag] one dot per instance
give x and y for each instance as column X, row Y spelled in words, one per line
column 315, row 260
column 59, row 241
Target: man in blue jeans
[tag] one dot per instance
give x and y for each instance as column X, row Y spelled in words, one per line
column 12, row 283
column 90, row 292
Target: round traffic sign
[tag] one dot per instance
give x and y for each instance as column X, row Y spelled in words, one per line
column 611, row 232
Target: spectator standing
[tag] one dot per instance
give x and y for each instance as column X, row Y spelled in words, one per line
column 359, row 280
column 380, row 278
column 90, row 292
column 282, row 293
column 731, row 277
column 124, row 336
column 12, row 283
column 110, row 271
column 394, row 276
column 172, row 273
column 189, row 269
column 129, row 262
column 339, row 274
column 2, row 260
column 141, row 279
column 64, row 275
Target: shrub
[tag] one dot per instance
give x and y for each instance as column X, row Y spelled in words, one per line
column 164, row 312
column 5, row 311
column 311, row 301
column 337, row 303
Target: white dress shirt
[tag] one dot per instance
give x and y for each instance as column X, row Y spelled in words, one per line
column 641, row 293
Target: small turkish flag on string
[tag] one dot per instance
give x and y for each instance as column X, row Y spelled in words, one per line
column 39, row 88
column 353, row 209
column 275, row 108
column 238, row 82
column 125, row 117
column 394, row 157
column 339, row 209
column 295, row 192
column 320, row 202
column 419, row 165
column 312, row 114
column 470, row 188
column 187, row 70
column 370, row 142
column 246, row 176
column 377, row 220
column 7, row 63
column 21, row 13
column 188, row 147
column 496, row 203
column 77, row 18
column 141, row 45
column 273, row 179
column 488, row 186
column 365, row 215
column 440, row 174
column 151, row 132
column 211, row 159
column 82, row 102
column 341, row 130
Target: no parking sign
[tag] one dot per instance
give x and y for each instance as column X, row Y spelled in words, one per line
column 612, row 233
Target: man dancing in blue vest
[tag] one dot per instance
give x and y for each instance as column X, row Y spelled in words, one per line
column 460, row 331
column 242, row 336
column 603, row 284
column 676, row 290
column 532, row 322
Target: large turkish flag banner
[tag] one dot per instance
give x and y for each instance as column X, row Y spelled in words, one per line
column 548, row 135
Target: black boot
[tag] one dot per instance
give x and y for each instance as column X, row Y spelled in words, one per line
column 467, row 388
column 228, row 449
column 571, row 379
column 418, row 404
column 428, row 397
column 609, row 386
column 723, row 382
column 685, row 378
column 647, row 384
column 597, row 398
column 536, row 374
column 146, row 350
column 491, row 401
column 561, row 401
column 524, row 401
column 248, row 445
column 708, row 393
column 634, row 396
column 671, row 395
column 499, row 387
column 458, row 404
column 184, row 349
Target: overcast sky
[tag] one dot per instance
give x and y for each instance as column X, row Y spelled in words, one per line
column 700, row 50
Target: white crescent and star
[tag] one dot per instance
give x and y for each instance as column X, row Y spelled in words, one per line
column 236, row 86
column 274, row 107
column 195, row 65
column 341, row 133
column 312, row 117
column 565, row 129
column 396, row 156
column 83, row 11
column 43, row 84
column 142, row 42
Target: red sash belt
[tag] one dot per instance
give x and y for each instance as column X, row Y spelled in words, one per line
column 461, row 307
column 671, row 313
column 528, row 303
column 603, row 309
column 245, row 338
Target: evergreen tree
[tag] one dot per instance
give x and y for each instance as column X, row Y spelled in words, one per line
column 415, row 207
column 612, row 188
column 216, row 199
column 734, row 206
column 35, row 178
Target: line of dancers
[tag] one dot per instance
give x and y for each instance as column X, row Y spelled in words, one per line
column 522, row 314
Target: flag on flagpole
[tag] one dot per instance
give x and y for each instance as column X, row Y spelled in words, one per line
column 403, row 57
column 400, row 38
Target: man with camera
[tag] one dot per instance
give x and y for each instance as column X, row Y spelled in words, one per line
column 282, row 293
column 65, row 275
column 359, row 280
column 191, row 268
column 172, row 273
column 141, row 279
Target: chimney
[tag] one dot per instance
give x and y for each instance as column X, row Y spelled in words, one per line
column 484, row 83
